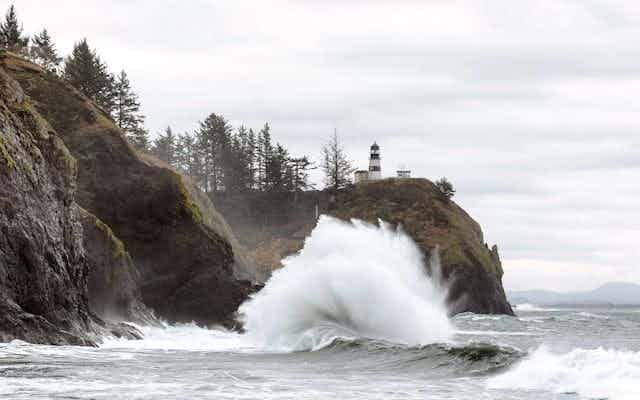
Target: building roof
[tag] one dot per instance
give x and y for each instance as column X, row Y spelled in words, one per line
column 375, row 146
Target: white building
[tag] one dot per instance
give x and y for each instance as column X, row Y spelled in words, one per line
column 375, row 169
column 361, row 176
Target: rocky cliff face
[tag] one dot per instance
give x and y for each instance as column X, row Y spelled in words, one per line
column 44, row 269
column 273, row 228
column 43, row 273
column 114, row 281
column 188, row 267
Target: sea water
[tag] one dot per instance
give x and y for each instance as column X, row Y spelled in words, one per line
column 353, row 316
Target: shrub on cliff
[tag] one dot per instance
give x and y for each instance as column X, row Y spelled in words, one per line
column 445, row 187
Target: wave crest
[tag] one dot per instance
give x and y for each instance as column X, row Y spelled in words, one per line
column 597, row 373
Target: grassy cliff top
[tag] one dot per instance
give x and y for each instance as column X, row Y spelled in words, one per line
column 425, row 214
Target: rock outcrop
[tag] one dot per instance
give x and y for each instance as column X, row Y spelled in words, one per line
column 43, row 273
column 114, row 281
column 272, row 228
column 189, row 269
column 44, row 269
column 472, row 271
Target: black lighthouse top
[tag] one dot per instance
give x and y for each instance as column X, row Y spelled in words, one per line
column 375, row 146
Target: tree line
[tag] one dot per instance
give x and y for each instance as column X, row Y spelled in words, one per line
column 219, row 158
column 215, row 156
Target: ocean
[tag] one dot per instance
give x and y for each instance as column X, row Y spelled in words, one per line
column 353, row 316
column 590, row 353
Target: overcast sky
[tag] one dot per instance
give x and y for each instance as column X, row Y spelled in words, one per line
column 531, row 110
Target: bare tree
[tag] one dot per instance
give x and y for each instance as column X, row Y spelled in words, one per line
column 337, row 168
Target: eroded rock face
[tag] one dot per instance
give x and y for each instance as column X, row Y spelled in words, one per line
column 189, row 271
column 114, row 281
column 43, row 273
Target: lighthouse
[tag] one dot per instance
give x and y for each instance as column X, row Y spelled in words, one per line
column 375, row 172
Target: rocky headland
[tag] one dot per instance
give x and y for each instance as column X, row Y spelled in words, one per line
column 93, row 233
column 273, row 226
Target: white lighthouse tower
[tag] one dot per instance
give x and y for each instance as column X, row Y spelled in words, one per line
column 375, row 172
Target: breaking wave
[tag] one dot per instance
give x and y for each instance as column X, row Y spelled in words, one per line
column 350, row 281
column 531, row 307
column 596, row 373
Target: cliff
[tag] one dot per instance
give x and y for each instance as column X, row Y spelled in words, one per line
column 189, row 270
column 114, row 281
column 273, row 226
column 43, row 274
column 473, row 272
column 44, row 269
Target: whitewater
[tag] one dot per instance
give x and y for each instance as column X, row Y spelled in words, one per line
column 354, row 315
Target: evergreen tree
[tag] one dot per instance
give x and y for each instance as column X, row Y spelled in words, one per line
column 139, row 138
column 337, row 168
column 277, row 170
column 126, row 110
column 300, row 174
column 234, row 171
column 263, row 157
column 445, row 187
column 214, row 137
column 106, row 93
column 251, row 151
column 164, row 147
column 42, row 51
column 189, row 158
column 245, row 154
column 11, row 33
column 87, row 73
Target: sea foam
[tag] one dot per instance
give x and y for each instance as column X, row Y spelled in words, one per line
column 595, row 374
column 351, row 280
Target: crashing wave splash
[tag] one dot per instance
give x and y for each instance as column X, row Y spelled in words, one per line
column 351, row 280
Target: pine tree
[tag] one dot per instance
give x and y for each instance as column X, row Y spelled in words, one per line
column 87, row 73
column 263, row 154
column 139, row 138
column 11, row 33
column 277, row 165
column 245, row 155
column 189, row 159
column 126, row 110
column 300, row 174
column 164, row 147
column 337, row 168
column 445, row 187
column 106, row 93
column 43, row 52
column 214, row 139
column 251, row 159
